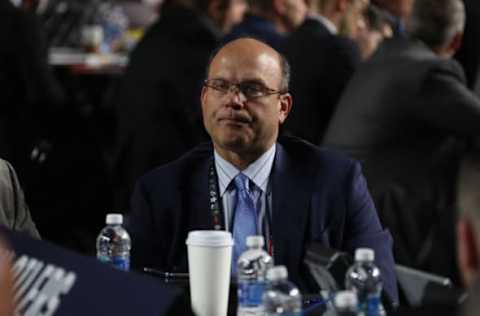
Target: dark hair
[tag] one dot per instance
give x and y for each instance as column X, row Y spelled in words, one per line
column 435, row 22
column 284, row 65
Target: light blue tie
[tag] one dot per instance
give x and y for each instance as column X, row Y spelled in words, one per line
column 245, row 221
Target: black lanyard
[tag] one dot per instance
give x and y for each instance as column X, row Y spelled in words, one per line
column 218, row 214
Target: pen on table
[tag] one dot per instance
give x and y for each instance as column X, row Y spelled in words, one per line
column 166, row 275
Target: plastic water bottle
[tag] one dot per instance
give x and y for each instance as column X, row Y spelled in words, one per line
column 252, row 269
column 364, row 278
column 113, row 243
column 281, row 297
column 346, row 303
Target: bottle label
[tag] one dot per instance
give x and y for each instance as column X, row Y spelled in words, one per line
column 373, row 306
column 250, row 293
column 119, row 262
column 103, row 259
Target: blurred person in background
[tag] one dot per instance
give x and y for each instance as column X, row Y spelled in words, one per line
column 7, row 300
column 31, row 96
column 14, row 212
column 398, row 11
column 373, row 31
column 405, row 114
column 468, row 224
column 323, row 56
column 158, row 108
column 270, row 21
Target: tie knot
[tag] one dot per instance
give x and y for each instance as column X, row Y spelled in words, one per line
column 241, row 182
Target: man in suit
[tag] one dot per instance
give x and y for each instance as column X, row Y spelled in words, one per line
column 158, row 108
column 399, row 115
column 323, row 57
column 296, row 193
column 270, row 21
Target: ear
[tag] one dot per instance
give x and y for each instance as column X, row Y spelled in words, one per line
column 467, row 249
column 203, row 95
column 456, row 42
column 285, row 106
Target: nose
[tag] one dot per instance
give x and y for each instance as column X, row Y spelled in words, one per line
column 235, row 96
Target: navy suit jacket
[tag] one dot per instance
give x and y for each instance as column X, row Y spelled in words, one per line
column 316, row 196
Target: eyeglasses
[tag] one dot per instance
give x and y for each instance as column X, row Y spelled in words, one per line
column 251, row 90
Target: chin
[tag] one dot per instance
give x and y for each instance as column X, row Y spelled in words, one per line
column 233, row 143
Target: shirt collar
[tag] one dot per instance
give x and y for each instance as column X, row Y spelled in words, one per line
column 258, row 171
column 326, row 22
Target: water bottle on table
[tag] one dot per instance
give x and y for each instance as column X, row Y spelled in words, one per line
column 346, row 303
column 252, row 269
column 281, row 297
column 113, row 243
column 364, row 278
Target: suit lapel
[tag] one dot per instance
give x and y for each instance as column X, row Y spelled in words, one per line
column 291, row 199
column 195, row 198
column 192, row 211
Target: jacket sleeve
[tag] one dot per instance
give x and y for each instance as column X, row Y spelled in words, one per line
column 444, row 101
column 364, row 230
column 147, row 239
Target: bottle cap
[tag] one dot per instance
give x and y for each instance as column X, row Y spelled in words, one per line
column 114, row 219
column 346, row 299
column 255, row 241
column 277, row 273
column 364, row 254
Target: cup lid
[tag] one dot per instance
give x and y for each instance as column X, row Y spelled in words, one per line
column 209, row 238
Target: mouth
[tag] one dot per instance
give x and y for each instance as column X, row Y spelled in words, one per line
column 235, row 119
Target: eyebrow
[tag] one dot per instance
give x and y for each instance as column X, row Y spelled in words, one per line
column 247, row 80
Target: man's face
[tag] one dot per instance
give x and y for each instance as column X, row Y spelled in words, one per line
column 234, row 14
column 295, row 12
column 235, row 122
column 353, row 20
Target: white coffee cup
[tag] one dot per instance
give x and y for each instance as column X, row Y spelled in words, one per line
column 209, row 264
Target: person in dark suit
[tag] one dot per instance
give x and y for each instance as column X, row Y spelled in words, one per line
column 403, row 115
column 323, row 59
column 30, row 94
column 270, row 21
column 158, row 109
column 297, row 193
